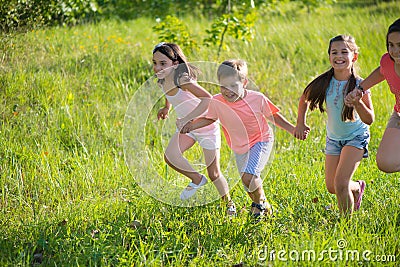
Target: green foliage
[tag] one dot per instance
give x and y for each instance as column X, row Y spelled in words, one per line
column 171, row 29
column 239, row 25
column 313, row 4
column 28, row 14
column 132, row 9
column 15, row 14
column 67, row 197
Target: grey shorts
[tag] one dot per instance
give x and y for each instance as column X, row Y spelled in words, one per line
column 255, row 159
column 394, row 121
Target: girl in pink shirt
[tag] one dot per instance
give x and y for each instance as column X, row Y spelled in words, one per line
column 388, row 155
column 244, row 116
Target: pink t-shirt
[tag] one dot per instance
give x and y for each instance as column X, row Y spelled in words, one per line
column 388, row 71
column 243, row 122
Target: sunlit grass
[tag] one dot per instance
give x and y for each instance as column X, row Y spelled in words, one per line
column 68, row 197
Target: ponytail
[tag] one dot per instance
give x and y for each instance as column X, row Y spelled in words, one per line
column 348, row 112
column 315, row 92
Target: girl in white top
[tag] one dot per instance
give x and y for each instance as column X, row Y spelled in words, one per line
column 177, row 79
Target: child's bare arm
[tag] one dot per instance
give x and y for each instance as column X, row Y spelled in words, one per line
column 198, row 91
column 365, row 109
column 355, row 96
column 301, row 130
column 282, row 123
column 196, row 124
column 163, row 112
column 374, row 78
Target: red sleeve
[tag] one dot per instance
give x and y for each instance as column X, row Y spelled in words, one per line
column 269, row 108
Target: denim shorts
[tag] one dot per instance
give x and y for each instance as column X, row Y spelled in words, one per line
column 254, row 160
column 334, row 147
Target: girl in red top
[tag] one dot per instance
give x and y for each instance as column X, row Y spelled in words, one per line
column 388, row 155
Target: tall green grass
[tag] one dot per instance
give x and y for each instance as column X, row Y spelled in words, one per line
column 69, row 199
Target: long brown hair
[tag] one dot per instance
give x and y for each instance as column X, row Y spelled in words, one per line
column 315, row 91
column 175, row 53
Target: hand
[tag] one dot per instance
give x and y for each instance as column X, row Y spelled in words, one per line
column 163, row 113
column 180, row 123
column 353, row 98
column 301, row 132
column 187, row 128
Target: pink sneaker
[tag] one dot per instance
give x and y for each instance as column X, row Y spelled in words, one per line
column 357, row 204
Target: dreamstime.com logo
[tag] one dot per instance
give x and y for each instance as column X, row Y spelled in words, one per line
column 340, row 253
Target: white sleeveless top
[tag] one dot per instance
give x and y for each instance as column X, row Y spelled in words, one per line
column 184, row 102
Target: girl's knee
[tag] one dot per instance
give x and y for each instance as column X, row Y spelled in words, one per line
column 252, row 183
column 388, row 167
column 214, row 174
column 387, row 163
column 331, row 189
column 341, row 187
column 166, row 159
column 382, row 166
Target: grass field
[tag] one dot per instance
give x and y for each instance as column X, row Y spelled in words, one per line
column 69, row 198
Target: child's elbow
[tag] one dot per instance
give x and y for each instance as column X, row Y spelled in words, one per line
column 370, row 120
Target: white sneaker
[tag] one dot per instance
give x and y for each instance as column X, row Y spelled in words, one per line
column 191, row 189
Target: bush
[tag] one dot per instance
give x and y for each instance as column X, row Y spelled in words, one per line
column 22, row 14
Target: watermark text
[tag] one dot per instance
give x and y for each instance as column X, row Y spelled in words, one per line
column 334, row 254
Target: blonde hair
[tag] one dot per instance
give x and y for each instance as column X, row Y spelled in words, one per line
column 233, row 67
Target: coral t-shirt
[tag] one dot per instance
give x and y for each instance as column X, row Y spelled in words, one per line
column 243, row 122
column 388, row 71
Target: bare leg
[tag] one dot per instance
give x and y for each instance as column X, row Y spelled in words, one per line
column 331, row 164
column 255, row 191
column 214, row 173
column 388, row 155
column 173, row 156
column 344, row 188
